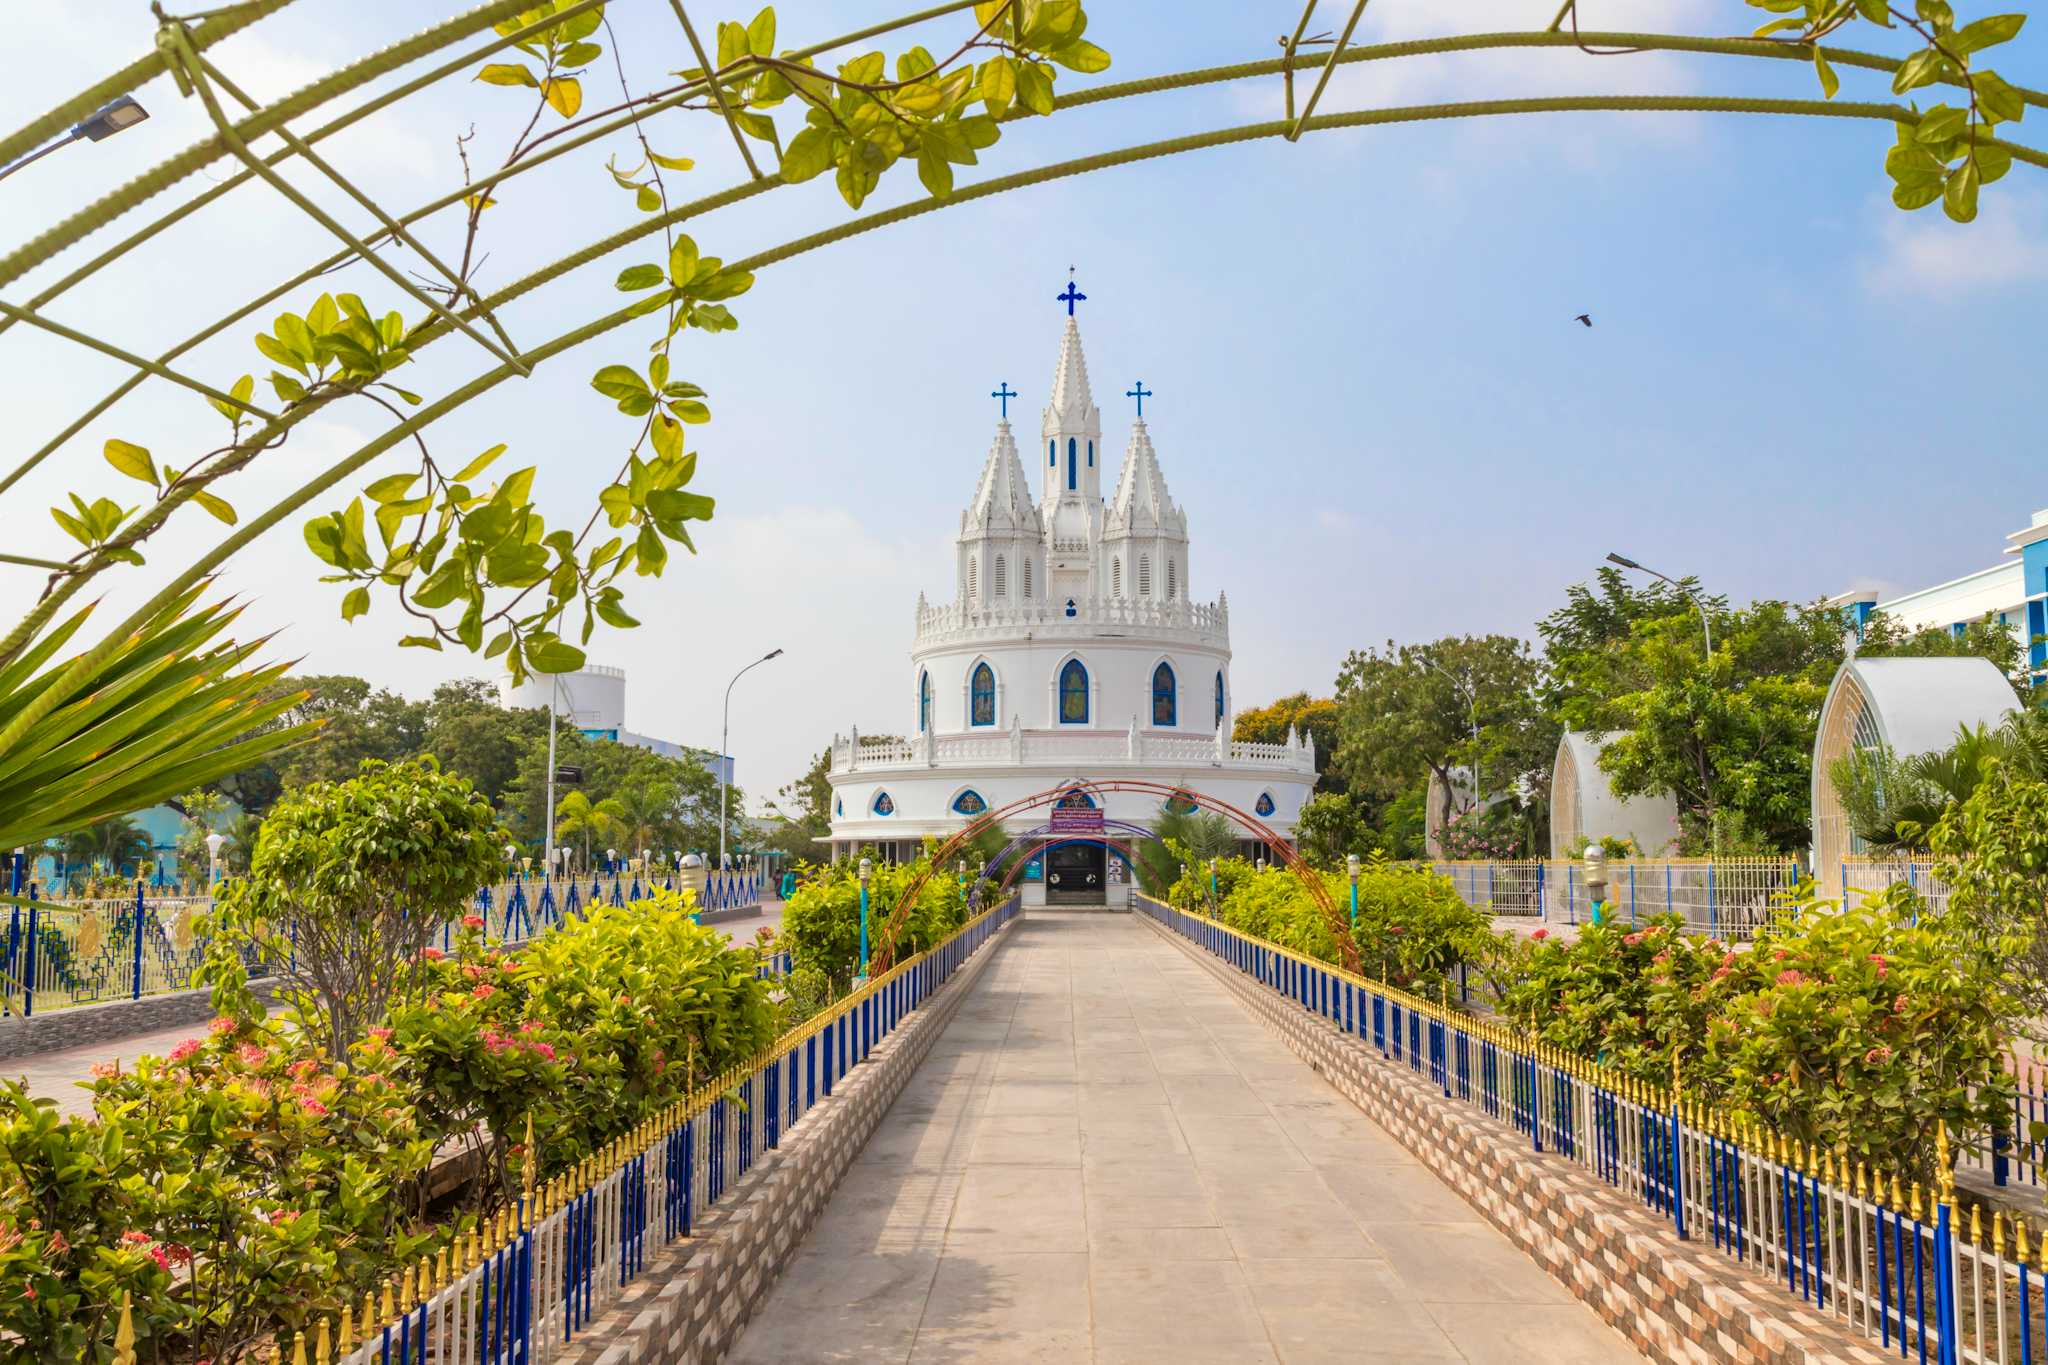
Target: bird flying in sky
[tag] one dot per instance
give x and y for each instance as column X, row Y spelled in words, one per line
column 1586, row 318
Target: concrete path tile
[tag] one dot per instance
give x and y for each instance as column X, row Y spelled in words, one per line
column 1107, row 1160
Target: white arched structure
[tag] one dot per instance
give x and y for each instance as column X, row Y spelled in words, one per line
column 1583, row 804
column 1914, row 706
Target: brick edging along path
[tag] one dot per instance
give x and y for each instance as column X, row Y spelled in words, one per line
column 688, row 1305
column 1676, row 1301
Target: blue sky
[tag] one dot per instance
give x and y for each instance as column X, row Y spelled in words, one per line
column 1371, row 398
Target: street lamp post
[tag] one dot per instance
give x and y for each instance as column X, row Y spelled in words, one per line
column 1706, row 627
column 867, row 868
column 1351, row 866
column 724, row 759
column 109, row 119
column 213, row 843
column 1472, row 700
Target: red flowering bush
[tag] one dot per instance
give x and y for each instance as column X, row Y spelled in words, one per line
column 1597, row 997
column 293, row 1177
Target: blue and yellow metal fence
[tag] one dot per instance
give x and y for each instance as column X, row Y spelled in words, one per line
column 512, row 1293
column 56, row 954
column 1883, row 1257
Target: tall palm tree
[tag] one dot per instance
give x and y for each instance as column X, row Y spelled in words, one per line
column 576, row 814
column 117, row 842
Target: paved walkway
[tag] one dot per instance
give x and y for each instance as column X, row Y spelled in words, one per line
column 1105, row 1158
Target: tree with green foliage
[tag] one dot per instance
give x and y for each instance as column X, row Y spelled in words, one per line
column 1885, row 638
column 579, row 821
column 1309, row 717
column 1409, row 713
column 610, row 770
column 351, row 881
column 204, row 812
column 1730, row 738
column 116, row 846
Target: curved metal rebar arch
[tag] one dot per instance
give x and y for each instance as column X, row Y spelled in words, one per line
column 313, row 95
column 1278, row 845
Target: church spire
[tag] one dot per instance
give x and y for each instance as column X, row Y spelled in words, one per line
column 1002, row 499
column 1142, row 505
column 1071, row 429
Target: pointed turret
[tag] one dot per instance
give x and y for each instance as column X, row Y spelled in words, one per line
column 1145, row 535
column 1002, row 536
column 1071, row 430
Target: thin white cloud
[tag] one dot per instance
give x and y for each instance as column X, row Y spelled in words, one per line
column 1925, row 254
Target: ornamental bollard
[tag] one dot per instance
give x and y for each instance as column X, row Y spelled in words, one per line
column 1596, row 881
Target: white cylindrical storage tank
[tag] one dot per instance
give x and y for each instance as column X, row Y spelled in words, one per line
column 592, row 698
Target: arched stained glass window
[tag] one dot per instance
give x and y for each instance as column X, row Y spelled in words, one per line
column 1074, row 693
column 924, row 702
column 883, row 805
column 1180, row 803
column 981, row 696
column 838, row 805
column 1165, row 696
column 1000, row 579
column 1052, row 453
column 1074, row 799
column 1071, row 474
column 1219, row 696
column 969, row 802
column 1265, row 805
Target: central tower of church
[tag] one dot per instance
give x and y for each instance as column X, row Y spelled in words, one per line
column 1072, row 652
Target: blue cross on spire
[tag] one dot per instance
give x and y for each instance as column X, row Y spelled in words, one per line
column 1005, row 393
column 1141, row 393
column 1073, row 295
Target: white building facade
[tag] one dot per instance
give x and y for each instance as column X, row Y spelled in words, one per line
column 1074, row 651
column 2012, row 593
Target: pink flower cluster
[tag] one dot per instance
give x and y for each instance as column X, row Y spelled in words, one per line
column 184, row 1049
column 1877, row 959
column 472, row 921
column 221, row 1025
column 497, row 1044
column 1540, row 935
column 1791, row 977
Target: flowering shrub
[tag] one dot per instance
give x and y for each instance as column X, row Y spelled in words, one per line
column 295, row 1181
column 589, row 1029
column 1595, row 998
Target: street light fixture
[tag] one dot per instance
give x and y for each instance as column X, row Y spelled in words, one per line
column 213, row 843
column 1705, row 626
column 110, row 118
column 867, row 868
column 725, row 760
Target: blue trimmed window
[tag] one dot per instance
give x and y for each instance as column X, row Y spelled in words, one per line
column 1265, row 806
column 1074, row 799
column 981, row 696
column 883, row 805
column 1091, row 454
column 1219, row 696
column 1052, row 454
column 969, row 802
column 924, row 702
column 1074, row 693
column 839, row 805
column 1070, row 465
column 1165, row 696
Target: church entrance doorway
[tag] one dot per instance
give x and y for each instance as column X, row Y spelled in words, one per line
column 1075, row 874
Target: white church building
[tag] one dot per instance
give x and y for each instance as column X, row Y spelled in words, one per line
column 1074, row 651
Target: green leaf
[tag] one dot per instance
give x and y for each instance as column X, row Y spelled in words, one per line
column 1959, row 199
column 355, row 548
column 480, row 463
column 553, row 656
column 673, row 163
column 288, row 389
column 517, row 489
column 617, row 502
column 1942, row 124
column 624, row 384
column 1992, row 162
column 443, row 585
column 648, row 199
column 241, row 389
column 1922, row 68
column 761, row 33
column 682, row 260
column 1999, row 101
column 1080, row 55
column 580, row 54
column 1034, row 87
column 507, row 73
column 420, row 642
column 355, row 603
column 998, row 84
column 1829, row 81
column 609, row 610
column 637, row 277
column 673, row 504
column 1917, row 193
column 133, row 461
column 1986, row 32
column 73, row 527
column 216, row 505
column 564, row 95
column 935, row 172
column 667, row 436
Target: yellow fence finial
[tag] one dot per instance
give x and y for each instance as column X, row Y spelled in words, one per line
column 299, row 1348
column 1944, row 1172
column 530, row 1160
column 124, row 1334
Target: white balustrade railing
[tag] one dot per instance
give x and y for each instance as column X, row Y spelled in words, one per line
column 1091, row 747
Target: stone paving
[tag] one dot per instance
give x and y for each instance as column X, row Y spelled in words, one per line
column 1106, row 1159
